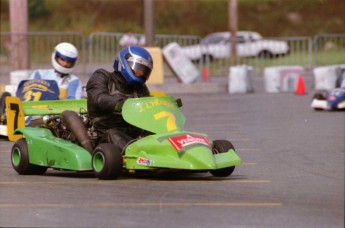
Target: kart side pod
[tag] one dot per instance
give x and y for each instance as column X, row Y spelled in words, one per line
column 152, row 152
column 46, row 150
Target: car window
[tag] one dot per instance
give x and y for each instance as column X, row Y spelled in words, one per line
column 255, row 36
column 214, row 40
column 240, row 39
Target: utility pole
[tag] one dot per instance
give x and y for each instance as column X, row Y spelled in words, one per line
column 149, row 22
column 19, row 48
column 232, row 4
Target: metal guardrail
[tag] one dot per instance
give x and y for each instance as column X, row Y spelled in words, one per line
column 99, row 51
column 300, row 53
column 328, row 49
column 103, row 47
column 40, row 47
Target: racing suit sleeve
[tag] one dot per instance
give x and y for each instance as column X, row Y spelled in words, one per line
column 35, row 75
column 73, row 89
column 97, row 93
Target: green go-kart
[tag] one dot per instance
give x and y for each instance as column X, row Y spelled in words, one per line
column 64, row 139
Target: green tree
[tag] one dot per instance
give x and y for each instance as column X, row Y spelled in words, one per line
column 37, row 9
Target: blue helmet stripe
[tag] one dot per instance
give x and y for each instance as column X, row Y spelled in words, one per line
column 58, row 54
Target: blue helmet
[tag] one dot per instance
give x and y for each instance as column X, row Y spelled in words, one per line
column 135, row 64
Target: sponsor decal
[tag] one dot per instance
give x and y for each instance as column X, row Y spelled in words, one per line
column 181, row 141
column 35, row 90
column 143, row 161
column 331, row 98
column 157, row 102
column 39, row 85
column 154, row 103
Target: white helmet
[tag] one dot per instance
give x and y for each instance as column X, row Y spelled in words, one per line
column 65, row 51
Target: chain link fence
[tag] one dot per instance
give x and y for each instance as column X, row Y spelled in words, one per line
column 99, row 51
column 40, row 46
column 328, row 49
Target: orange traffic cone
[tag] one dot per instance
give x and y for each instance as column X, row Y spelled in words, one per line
column 205, row 74
column 300, row 89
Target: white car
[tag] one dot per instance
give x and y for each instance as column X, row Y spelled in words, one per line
column 249, row 44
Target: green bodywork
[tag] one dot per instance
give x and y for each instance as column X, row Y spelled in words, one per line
column 155, row 151
column 162, row 116
column 159, row 115
column 55, row 107
column 47, row 150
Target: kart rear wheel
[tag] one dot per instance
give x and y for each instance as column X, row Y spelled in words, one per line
column 222, row 146
column 320, row 96
column 20, row 160
column 107, row 161
column 265, row 54
column 3, row 104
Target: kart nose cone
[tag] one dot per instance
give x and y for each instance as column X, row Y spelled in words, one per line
column 199, row 158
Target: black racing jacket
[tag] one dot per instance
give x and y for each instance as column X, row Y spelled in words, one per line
column 104, row 90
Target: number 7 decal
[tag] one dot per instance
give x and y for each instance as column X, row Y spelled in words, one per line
column 171, row 122
column 15, row 117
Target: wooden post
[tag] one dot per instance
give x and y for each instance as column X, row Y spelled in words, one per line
column 232, row 4
column 149, row 22
column 19, row 40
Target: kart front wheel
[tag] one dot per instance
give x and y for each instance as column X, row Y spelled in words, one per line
column 20, row 160
column 320, row 96
column 107, row 161
column 222, row 146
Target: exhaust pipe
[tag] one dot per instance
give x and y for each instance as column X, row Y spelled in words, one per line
column 42, row 121
column 73, row 123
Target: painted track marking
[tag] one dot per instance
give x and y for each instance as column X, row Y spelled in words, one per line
column 152, row 204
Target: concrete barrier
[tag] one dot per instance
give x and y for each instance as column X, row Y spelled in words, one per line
column 19, row 75
column 16, row 76
column 157, row 74
column 239, row 79
column 180, row 64
column 325, row 77
column 282, row 78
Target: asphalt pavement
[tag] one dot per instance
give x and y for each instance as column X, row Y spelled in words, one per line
column 292, row 173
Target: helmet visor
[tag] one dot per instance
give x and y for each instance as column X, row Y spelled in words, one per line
column 64, row 60
column 140, row 67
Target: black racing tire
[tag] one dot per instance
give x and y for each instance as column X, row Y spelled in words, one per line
column 265, row 54
column 2, row 102
column 20, row 160
column 107, row 161
column 320, row 96
column 222, row 146
column 207, row 58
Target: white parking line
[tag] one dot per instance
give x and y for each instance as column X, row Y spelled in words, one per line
column 153, row 204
